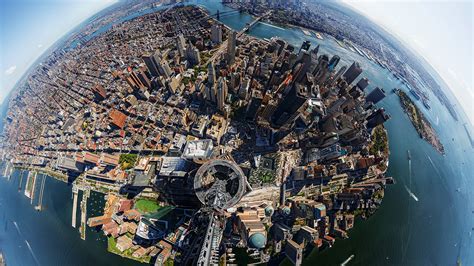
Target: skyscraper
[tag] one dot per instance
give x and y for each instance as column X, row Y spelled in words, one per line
column 181, row 44
column 338, row 74
column 211, row 74
column 192, row 55
column 287, row 109
column 216, row 34
column 221, row 93
column 151, row 64
column 333, row 62
column 305, row 46
column 376, row 95
column 231, row 43
column 352, row 73
column 377, row 118
column 165, row 69
column 254, row 105
column 363, row 83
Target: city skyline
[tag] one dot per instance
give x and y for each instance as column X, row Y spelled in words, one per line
column 456, row 73
column 444, row 41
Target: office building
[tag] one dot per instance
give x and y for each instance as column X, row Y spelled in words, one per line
column 288, row 108
column 216, row 34
column 221, row 93
column 231, row 44
column 181, row 44
column 151, row 64
column 363, row 83
column 254, row 105
column 376, row 95
column 352, row 73
column 294, row 252
column 377, row 118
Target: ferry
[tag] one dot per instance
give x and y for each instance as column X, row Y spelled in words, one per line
column 425, row 103
column 318, row 35
column 414, row 93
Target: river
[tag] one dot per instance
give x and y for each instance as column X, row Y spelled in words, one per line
column 435, row 230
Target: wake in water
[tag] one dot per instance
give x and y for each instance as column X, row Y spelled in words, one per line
column 27, row 243
column 273, row 26
column 348, row 260
column 434, row 166
column 31, row 251
column 411, row 193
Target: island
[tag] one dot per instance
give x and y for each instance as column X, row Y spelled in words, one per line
column 419, row 121
column 210, row 146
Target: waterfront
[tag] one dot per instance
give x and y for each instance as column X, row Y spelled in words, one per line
column 433, row 230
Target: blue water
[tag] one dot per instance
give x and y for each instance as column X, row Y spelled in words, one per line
column 434, row 230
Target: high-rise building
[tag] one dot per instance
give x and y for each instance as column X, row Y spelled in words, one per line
column 244, row 88
column 304, row 66
column 192, row 55
column 216, row 34
column 287, row 110
column 151, row 64
column 211, row 74
column 231, row 44
column 221, row 93
column 376, row 95
column 377, row 118
column 305, row 46
column 333, row 62
column 338, row 75
column 294, row 252
column 165, row 69
column 352, row 73
column 363, row 83
column 254, row 105
column 181, row 44
column 321, row 71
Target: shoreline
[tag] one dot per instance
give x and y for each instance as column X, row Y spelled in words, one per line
column 419, row 122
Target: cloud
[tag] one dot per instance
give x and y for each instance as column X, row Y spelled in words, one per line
column 10, row 70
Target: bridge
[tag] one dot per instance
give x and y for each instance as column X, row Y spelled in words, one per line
column 223, row 46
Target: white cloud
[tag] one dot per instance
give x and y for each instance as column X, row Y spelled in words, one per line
column 10, row 70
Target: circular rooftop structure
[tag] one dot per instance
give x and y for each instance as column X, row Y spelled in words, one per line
column 257, row 241
column 219, row 184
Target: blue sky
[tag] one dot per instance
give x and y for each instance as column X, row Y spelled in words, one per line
column 441, row 31
column 29, row 27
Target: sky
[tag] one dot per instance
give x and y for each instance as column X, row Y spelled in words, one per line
column 30, row 27
column 440, row 31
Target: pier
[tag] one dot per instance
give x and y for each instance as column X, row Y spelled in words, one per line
column 21, row 180
column 33, row 186
column 86, row 192
column 75, row 192
column 82, row 229
column 39, row 207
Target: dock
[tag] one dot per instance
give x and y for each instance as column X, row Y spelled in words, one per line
column 39, row 207
column 82, row 229
column 21, row 180
column 33, row 187
column 75, row 192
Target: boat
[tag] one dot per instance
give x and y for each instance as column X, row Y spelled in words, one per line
column 351, row 257
column 414, row 93
column 425, row 103
column 408, row 154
